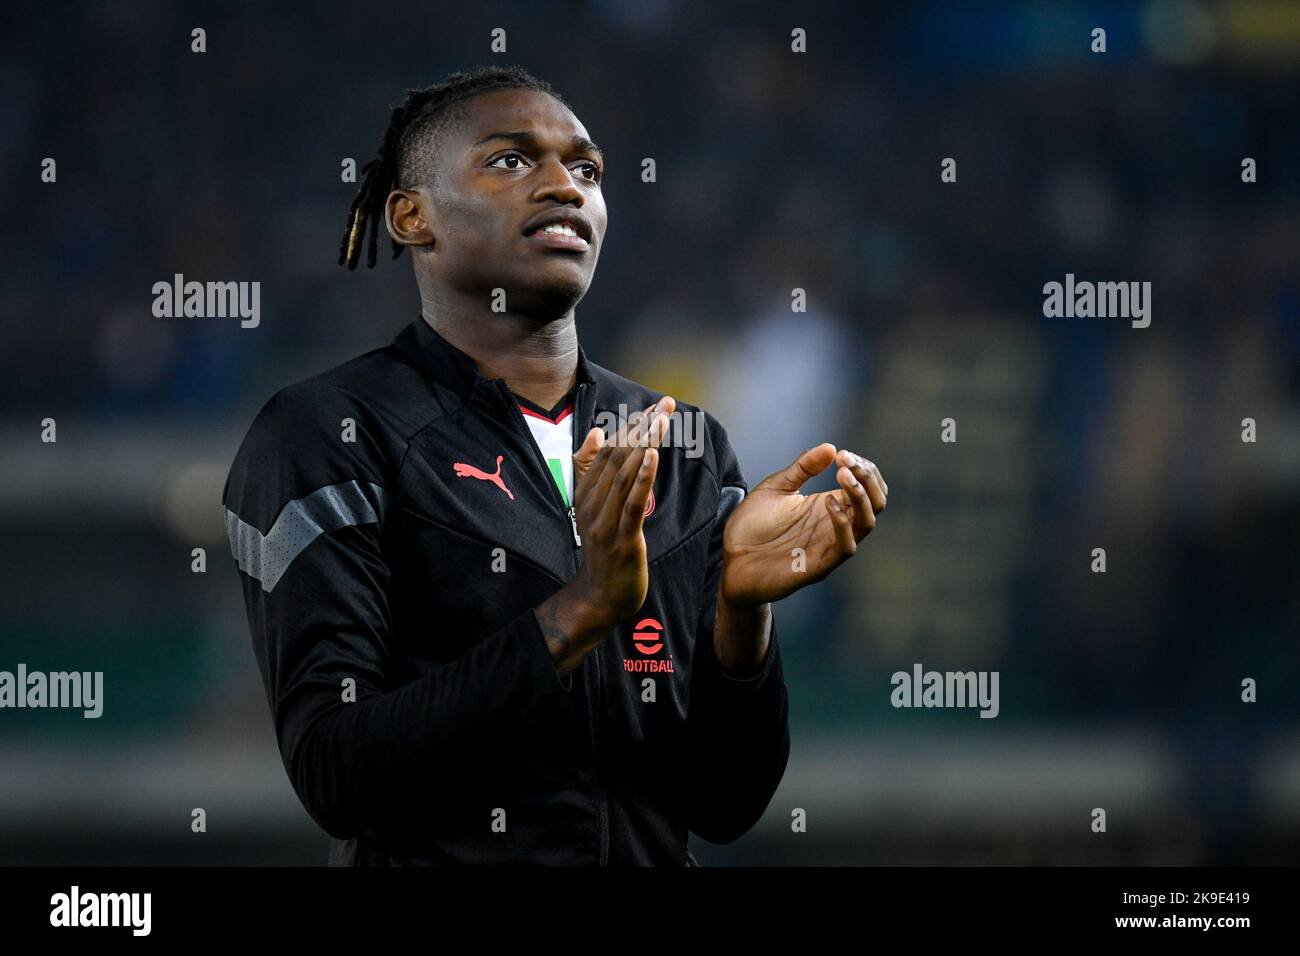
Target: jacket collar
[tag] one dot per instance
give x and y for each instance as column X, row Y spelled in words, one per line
column 444, row 363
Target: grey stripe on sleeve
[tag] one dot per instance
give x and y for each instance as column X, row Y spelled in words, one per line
column 730, row 496
column 265, row 557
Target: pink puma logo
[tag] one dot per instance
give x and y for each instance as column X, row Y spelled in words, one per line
column 469, row 471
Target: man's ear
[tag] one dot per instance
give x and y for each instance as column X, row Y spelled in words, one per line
column 408, row 214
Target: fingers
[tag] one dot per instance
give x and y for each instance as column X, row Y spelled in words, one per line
column 865, row 491
column 665, row 408
column 629, row 468
column 585, row 470
column 629, row 431
column 596, row 439
column 867, row 473
column 845, row 539
column 604, row 470
column 609, row 462
column 585, row 456
column 794, row 476
column 647, row 427
column 636, row 428
column 586, row 453
column 615, row 487
column 633, row 516
column 612, row 451
column 859, row 501
column 621, row 486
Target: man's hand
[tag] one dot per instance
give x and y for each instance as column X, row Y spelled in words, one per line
column 612, row 485
column 595, row 439
column 759, row 562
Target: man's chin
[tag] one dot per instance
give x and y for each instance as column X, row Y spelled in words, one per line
column 551, row 298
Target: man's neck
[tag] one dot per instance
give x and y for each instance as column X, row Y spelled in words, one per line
column 538, row 360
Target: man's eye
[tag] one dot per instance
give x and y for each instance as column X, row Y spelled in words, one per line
column 514, row 156
column 595, row 171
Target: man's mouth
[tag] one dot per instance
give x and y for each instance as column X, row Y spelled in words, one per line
column 559, row 235
column 560, row 227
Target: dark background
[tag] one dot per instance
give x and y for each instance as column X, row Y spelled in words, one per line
column 775, row 170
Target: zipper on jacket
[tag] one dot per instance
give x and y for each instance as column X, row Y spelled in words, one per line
column 593, row 699
column 571, row 512
column 577, row 539
column 594, row 696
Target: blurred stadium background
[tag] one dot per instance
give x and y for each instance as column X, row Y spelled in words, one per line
column 820, row 171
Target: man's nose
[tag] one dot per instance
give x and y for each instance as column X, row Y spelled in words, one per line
column 555, row 181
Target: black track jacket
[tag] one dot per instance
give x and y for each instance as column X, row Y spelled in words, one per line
column 390, row 599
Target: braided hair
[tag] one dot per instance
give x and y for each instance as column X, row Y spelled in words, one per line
column 406, row 151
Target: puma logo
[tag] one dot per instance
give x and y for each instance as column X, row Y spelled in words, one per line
column 469, row 471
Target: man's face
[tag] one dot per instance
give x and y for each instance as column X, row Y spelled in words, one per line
column 513, row 157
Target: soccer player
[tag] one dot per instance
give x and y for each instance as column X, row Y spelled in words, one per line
column 490, row 630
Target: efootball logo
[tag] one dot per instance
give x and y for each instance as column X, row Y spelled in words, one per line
column 648, row 638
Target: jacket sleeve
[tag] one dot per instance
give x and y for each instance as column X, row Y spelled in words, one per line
column 737, row 731
column 304, row 511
